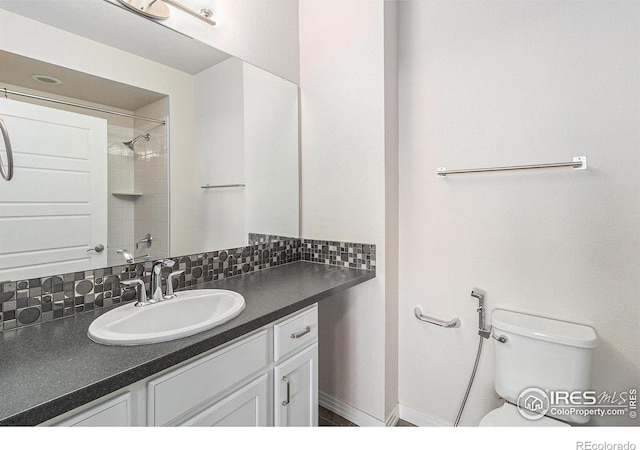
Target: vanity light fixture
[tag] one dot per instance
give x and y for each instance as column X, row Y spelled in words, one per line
column 205, row 14
column 158, row 9
column 155, row 9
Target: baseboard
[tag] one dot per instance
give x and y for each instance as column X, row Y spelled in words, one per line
column 393, row 417
column 350, row 413
column 363, row 419
column 421, row 419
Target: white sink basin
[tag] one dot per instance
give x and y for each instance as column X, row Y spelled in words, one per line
column 189, row 313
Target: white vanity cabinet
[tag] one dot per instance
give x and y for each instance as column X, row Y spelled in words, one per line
column 267, row 378
column 296, row 370
column 115, row 412
column 174, row 397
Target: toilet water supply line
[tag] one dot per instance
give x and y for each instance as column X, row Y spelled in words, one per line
column 484, row 333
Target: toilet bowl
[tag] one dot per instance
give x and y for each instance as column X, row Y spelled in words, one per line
column 534, row 356
column 508, row 416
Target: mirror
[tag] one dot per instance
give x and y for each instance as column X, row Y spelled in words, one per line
column 222, row 167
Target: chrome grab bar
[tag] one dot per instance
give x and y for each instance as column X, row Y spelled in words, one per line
column 453, row 323
column 7, row 173
column 578, row 163
column 218, row 186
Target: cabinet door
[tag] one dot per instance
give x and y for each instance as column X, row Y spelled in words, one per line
column 175, row 395
column 296, row 390
column 246, row 407
column 112, row 413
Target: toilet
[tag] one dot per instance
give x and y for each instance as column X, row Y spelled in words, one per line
column 536, row 356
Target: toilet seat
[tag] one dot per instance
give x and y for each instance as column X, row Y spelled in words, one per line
column 508, row 416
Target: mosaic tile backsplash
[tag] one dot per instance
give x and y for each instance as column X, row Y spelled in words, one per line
column 28, row 302
column 260, row 238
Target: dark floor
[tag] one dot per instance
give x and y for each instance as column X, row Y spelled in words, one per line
column 327, row 418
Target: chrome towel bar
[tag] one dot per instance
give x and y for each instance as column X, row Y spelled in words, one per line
column 578, row 163
column 453, row 323
column 6, row 173
column 217, row 186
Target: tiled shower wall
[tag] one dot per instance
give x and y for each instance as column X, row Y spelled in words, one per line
column 138, row 186
column 28, row 302
column 152, row 180
column 120, row 178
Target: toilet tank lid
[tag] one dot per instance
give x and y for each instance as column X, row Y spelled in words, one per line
column 545, row 329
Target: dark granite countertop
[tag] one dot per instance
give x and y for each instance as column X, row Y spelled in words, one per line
column 52, row 368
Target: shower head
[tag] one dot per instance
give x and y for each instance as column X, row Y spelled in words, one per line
column 132, row 142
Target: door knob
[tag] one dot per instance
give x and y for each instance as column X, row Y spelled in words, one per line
column 98, row 248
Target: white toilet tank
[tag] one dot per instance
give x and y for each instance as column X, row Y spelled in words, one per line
column 541, row 353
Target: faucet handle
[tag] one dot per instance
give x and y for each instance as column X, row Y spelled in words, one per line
column 148, row 239
column 164, row 263
column 128, row 257
column 170, row 278
column 141, row 289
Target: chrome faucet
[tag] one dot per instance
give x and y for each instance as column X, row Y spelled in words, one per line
column 128, row 257
column 156, row 284
column 482, row 330
column 140, row 290
column 156, row 278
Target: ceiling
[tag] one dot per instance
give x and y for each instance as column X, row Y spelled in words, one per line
column 17, row 70
column 110, row 23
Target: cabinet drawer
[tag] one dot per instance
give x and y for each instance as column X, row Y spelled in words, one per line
column 295, row 332
column 182, row 390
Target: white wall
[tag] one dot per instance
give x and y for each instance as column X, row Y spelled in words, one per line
column 271, row 154
column 342, row 80
column 500, row 83
column 391, row 161
column 247, row 133
column 264, row 33
column 220, row 145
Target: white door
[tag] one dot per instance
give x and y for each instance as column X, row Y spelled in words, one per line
column 296, row 390
column 55, row 208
